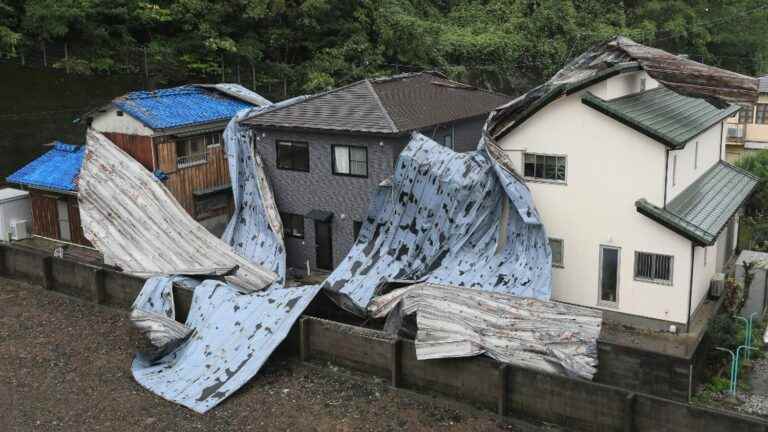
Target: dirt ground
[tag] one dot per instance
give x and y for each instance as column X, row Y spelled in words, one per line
column 64, row 365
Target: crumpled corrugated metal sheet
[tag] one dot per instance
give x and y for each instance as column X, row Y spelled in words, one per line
column 134, row 219
column 255, row 229
column 234, row 335
column 137, row 224
column 449, row 218
column 621, row 54
column 460, row 322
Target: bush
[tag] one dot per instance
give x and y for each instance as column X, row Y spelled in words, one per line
column 734, row 296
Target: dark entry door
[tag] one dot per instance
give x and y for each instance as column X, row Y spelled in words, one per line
column 323, row 245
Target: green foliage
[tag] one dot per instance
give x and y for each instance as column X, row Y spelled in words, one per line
column 757, row 164
column 734, row 296
column 293, row 46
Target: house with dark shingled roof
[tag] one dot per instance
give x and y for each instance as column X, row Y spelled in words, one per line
column 325, row 154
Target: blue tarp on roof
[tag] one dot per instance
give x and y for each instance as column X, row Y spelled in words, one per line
column 179, row 106
column 58, row 169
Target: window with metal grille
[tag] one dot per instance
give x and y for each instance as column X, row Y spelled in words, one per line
column 293, row 155
column 350, row 160
column 545, row 167
column 293, row 225
column 653, row 267
column 761, row 114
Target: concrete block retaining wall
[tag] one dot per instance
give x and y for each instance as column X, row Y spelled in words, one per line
column 509, row 390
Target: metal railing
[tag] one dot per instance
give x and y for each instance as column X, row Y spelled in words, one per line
column 736, row 131
column 191, row 160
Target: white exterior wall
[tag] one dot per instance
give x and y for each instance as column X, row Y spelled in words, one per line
column 109, row 121
column 710, row 144
column 609, row 167
column 13, row 210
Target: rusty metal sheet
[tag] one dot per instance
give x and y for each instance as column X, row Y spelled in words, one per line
column 131, row 217
column 459, row 322
column 449, row 218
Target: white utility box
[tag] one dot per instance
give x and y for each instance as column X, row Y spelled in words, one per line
column 15, row 214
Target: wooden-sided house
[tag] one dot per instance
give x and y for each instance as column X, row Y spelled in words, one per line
column 51, row 180
column 177, row 134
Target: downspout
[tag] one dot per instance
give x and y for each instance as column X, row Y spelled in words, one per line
column 690, row 291
column 722, row 139
column 666, row 177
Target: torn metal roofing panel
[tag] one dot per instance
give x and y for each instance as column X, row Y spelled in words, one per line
column 129, row 215
column 56, row 170
column 390, row 105
column 701, row 211
column 255, row 230
column 449, row 218
column 234, row 335
column 622, row 55
column 460, row 322
column 180, row 106
column 237, row 91
column 660, row 113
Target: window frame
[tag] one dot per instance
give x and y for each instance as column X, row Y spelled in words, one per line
column 561, row 264
column 277, row 155
column 607, row 303
column 670, row 281
column 333, row 161
column 285, row 216
column 761, row 117
column 742, row 114
column 544, row 179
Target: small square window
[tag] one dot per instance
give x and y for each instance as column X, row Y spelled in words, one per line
column 350, row 160
column 293, row 225
column 556, row 245
column 293, row 155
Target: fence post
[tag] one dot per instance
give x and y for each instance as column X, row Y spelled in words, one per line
column 304, row 339
column 45, row 271
column 97, row 285
column 3, row 270
column 395, row 361
column 629, row 412
column 503, row 396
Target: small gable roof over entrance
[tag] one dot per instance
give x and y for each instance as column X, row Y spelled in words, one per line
column 702, row 210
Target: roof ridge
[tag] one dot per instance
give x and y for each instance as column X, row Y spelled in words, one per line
column 383, row 108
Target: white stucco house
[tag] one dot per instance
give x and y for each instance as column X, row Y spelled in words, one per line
column 631, row 182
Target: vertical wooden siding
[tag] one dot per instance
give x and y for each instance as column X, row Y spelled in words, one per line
column 44, row 214
column 138, row 146
column 182, row 182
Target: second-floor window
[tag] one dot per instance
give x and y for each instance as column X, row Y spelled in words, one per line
column 191, row 151
column 653, row 267
column 556, row 245
column 293, row 155
column 350, row 160
column 761, row 114
column 545, row 167
column 745, row 114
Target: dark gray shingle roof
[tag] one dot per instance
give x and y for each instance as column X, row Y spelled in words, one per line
column 390, row 105
column 702, row 210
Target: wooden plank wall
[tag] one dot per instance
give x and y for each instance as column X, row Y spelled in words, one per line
column 45, row 220
column 183, row 181
column 138, row 146
column 45, row 216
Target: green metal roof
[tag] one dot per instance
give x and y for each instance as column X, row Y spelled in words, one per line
column 662, row 114
column 703, row 209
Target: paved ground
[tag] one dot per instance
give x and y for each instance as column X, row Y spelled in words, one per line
column 64, row 365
